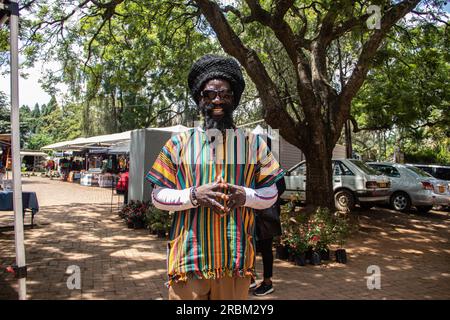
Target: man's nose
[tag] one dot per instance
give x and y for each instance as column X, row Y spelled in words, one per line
column 217, row 99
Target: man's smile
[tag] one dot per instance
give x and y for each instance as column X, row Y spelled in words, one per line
column 217, row 111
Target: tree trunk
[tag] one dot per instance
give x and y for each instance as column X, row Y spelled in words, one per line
column 319, row 184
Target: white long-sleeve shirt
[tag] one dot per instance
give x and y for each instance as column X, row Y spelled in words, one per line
column 178, row 200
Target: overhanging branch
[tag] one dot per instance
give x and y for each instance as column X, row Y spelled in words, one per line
column 392, row 16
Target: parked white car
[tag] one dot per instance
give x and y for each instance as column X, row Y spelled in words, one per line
column 353, row 183
column 412, row 186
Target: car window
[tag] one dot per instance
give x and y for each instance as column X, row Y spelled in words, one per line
column 443, row 173
column 364, row 167
column 340, row 169
column 387, row 170
column 426, row 169
column 336, row 169
column 418, row 171
column 300, row 170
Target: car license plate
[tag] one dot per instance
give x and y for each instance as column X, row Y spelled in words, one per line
column 382, row 184
column 441, row 189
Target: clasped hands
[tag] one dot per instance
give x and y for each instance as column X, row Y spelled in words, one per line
column 209, row 195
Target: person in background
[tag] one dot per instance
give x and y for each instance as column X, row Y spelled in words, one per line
column 122, row 186
column 268, row 226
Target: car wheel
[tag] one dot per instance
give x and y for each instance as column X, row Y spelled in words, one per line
column 400, row 201
column 344, row 200
column 424, row 209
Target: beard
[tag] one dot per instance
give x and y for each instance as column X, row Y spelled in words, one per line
column 222, row 123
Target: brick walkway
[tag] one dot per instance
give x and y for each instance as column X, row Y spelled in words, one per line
column 76, row 227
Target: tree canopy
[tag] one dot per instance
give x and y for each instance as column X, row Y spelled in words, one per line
column 126, row 61
column 406, row 93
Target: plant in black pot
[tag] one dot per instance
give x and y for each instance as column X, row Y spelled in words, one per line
column 158, row 221
column 313, row 237
column 301, row 246
column 282, row 250
column 324, row 221
column 341, row 231
column 324, row 253
column 160, row 229
column 138, row 214
column 130, row 224
column 134, row 214
column 282, row 247
column 286, row 249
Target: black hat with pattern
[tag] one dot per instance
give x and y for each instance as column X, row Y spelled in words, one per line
column 211, row 67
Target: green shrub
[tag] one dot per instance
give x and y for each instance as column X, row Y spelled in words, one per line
column 158, row 220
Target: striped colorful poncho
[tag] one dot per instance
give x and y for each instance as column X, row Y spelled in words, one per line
column 202, row 243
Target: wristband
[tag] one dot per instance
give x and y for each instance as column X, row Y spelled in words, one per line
column 193, row 197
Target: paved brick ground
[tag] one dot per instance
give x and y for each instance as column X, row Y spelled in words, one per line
column 76, row 227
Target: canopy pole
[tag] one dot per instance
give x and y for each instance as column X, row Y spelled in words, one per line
column 15, row 143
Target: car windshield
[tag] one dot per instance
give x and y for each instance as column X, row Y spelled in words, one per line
column 419, row 172
column 365, row 168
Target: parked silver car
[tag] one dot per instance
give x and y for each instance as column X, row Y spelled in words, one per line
column 437, row 171
column 412, row 186
column 353, row 182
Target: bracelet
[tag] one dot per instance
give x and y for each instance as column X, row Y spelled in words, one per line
column 193, row 197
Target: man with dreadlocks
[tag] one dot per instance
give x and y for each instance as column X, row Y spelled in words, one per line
column 213, row 177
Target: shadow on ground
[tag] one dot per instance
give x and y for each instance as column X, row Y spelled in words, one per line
column 411, row 250
column 115, row 262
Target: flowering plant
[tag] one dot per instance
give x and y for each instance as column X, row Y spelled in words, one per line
column 320, row 229
column 135, row 213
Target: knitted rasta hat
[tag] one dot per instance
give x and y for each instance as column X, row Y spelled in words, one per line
column 211, row 67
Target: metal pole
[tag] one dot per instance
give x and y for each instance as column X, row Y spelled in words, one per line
column 15, row 143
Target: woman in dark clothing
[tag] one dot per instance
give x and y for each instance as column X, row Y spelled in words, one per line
column 268, row 226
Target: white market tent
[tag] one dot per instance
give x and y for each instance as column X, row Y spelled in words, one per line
column 63, row 145
column 108, row 140
column 103, row 140
column 96, row 141
column 33, row 153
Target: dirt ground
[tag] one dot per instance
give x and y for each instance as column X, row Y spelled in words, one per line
column 78, row 226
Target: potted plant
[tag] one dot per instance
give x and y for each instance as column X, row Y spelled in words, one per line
column 130, row 224
column 301, row 247
column 321, row 226
column 134, row 214
column 312, row 230
column 341, row 231
column 159, row 229
column 324, row 253
column 158, row 221
column 282, row 249
column 138, row 214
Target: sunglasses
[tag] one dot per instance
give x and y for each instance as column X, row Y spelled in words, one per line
column 212, row 94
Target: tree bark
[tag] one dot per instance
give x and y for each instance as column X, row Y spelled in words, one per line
column 319, row 184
